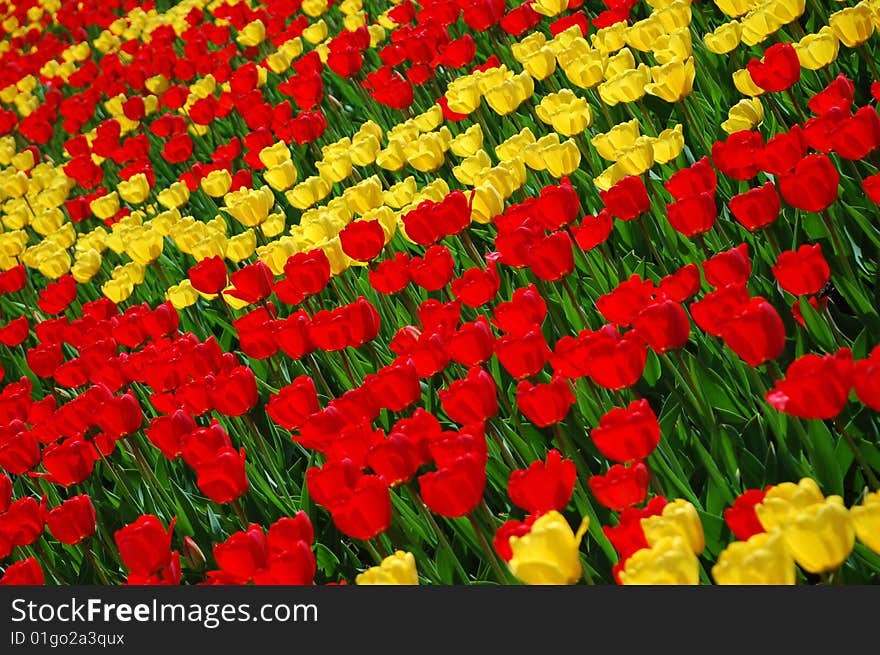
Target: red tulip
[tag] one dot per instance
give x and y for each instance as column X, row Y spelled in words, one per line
column 621, row 486
column 21, row 524
column 5, row 492
column 391, row 275
column 593, row 230
column 681, row 285
column 627, row 199
column 58, row 295
column 477, row 286
column 543, row 486
column 522, row 312
column 615, row 361
column 866, row 381
column 308, row 272
column 69, row 462
column 815, row 386
column 838, row 94
column 26, row 572
column 729, row 267
column 626, row 300
column 740, row 156
column 782, row 152
column 166, row 432
column 812, row 185
column 756, row 208
column 626, row 435
column 558, row 205
column 473, row 343
column 871, row 187
column 524, row 355
column 741, row 517
column 755, row 332
column 223, row 478
column 715, row 308
column 456, row 488
column 433, row 271
column 252, row 283
column 209, row 275
column 395, row 386
column 802, row 272
column 145, row 545
column 294, row 403
column 471, row 400
column 73, row 520
column 858, row 135
column 777, row 70
column 694, row 215
column 545, row 403
column 664, row 325
column 14, row 332
column 698, row 178
column 362, row 240
column 234, row 392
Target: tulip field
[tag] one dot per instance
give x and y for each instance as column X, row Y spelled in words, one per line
column 443, row 292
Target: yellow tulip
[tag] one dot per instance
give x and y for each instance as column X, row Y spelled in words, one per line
column 618, row 138
column 339, row 261
column 401, row 193
column 396, row 569
column 674, row 46
column 620, row 63
column 134, row 190
column 852, row 25
column 311, row 190
column 336, row 168
column 24, row 160
column 866, row 520
column 758, row 25
column 762, row 560
column 669, row 561
column 626, row 87
column 364, row 196
column 16, row 185
column 241, row 246
column 675, row 15
column 528, row 46
column 468, row 169
column 468, row 143
column 821, row 536
column 217, row 183
column 747, row 114
column 106, row 206
column 673, row 81
column 315, row 32
column 364, row 150
column 679, row 518
column 275, row 254
column 550, row 7
column 609, row 177
column 145, row 248
column 638, row 158
column 429, row 120
column 562, row 159
column 549, row 554
column 816, row 51
column 426, row 154
column 48, row 221
column 250, row 207
column 55, row 263
column 277, row 153
column 744, row 83
column 533, row 153
column 487, row 202
column 176, row 195
column 463, row 94
column 783, row 502
column 668, row 144
column 586, row 70
column 282, row 176
column 541, row 64
column 252, row 34
column 118, row 289
column 642, row 34
column 274, row 224
column 182, row 295
column 87, row 264
column 510, row 94
column 787, row 11
column 735, row 8
column 511, row 147
column 610, row 39
column 566, row 112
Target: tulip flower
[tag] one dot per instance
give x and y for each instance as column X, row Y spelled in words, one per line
column 866, row 521
column 821, row 536
column 549, row 552
column 784, row 501
column 396, row 569
column 762, row 559
column 669, row 561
